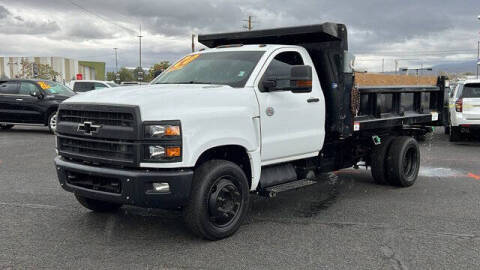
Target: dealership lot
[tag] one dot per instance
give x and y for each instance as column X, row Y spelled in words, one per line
column 344, row 221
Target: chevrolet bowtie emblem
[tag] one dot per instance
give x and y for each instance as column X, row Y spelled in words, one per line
column 88, row 128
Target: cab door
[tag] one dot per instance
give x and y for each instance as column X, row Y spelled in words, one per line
column 292, row 124
column 8, row 107
column 30, row 108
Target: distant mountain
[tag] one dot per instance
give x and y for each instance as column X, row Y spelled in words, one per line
column 459, row 67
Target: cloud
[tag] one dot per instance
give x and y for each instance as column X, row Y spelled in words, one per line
column 4, row 12
column 377, row 28
column 15, row 25
column 88, row 31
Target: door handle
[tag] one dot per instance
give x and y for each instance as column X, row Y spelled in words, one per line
column 310, row 100
column 19, row 99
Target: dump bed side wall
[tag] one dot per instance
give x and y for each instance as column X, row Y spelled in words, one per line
column 397, row 105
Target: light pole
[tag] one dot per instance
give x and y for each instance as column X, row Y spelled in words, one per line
column 116, row 60
column 478, row 49
column 140, row 73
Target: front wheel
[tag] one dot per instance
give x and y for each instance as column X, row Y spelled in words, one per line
column 52, row 122
column 96, row 205
column 218, row 200
column 403, row 161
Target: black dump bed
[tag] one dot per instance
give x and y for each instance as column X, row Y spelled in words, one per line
column 370, row 107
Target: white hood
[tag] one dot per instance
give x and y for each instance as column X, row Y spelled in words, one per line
column 171, row 102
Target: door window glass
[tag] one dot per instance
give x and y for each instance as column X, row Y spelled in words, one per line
column 8, row 87
column 26, row 88
column 100, row 85
column 83, row 86
column 281, row 66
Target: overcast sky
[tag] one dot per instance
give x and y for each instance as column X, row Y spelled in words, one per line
column 422, row 31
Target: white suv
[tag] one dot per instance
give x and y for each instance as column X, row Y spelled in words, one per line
column 88, row 85
column 464, row 107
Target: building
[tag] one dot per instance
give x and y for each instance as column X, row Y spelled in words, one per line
column 68, row 69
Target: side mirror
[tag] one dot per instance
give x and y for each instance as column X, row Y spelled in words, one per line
column 299, row 81
column 36, row 94
column 301, row 77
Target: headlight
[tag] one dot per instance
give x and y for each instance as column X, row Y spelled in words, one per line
column 162, row 153
column 162, row 130
column 162, row 141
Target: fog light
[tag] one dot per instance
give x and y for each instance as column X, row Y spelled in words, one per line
column 161, row 187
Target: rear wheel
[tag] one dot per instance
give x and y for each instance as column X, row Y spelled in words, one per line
column 403, row 161
column 6, row 126
column 378, row 157
column 96, row 205
column 455, row 134
column 218, row 201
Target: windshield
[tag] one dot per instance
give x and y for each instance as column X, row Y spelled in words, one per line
column 113, row 84
column 228, row 68
column 54, row 88
column 471, row 91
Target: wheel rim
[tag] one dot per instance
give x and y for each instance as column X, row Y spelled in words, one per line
column 410, row 162
column 224, row 202
column 53, row 122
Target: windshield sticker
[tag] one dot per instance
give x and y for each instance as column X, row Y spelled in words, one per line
column 44, row 85
column 185, row 61
column 241, row 73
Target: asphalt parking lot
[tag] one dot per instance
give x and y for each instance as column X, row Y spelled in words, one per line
column 343, row 222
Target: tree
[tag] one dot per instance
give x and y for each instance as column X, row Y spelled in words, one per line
column 45, row 71
column 161, row 66
column 126, row 75
column 110, row 76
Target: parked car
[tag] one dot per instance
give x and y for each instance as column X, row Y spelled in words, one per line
column 31, row 102
column 464, row 109
column 88, row 85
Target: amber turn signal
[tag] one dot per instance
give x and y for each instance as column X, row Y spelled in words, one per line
column 304, row 83
column 173, row 152
column 172, row 131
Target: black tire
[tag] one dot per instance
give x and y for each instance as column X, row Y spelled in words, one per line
column 96, row 205
column 403, row 161
column 6, row 126
column 378, row 158
column 218, row 201
column 421, row 138
column 52, row 122
column 455, row 134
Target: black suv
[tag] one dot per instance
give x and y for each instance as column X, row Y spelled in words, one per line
column 30, row 102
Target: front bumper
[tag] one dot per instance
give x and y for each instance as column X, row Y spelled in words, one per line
column 133, row 187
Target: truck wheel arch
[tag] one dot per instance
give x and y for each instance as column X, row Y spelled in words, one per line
column 234, row 153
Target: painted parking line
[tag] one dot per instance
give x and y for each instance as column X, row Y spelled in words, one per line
column 474, row 176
